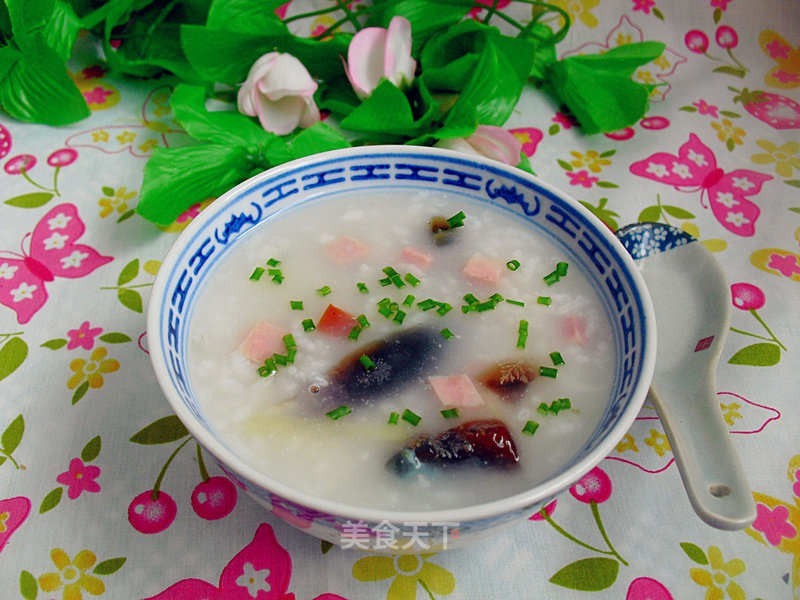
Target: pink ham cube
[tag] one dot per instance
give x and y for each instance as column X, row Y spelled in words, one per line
column 483, row 269
column 416, row 256
column 346, row 250
column 263, row 341
column 573, row 328
column 455, row 390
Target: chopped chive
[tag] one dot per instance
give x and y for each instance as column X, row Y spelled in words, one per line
column 367, row 363
column 427, row 304
column 530, row 427
column 399, row 316
column 566, row 404
column 544, row 300
column 296, row 304
column 551, row 278
column 522, row 333
column 324, row 290
column 449, row 413
column 447, row 334
column 390, row 271
column 496, row 298
column 308, row 325
column 280, row 359
column 385, row 310
column 385, row 281
column 354, row 332
column 397, row 281
column 257, row 273
column 561, row 268
column 276, row 275
column 338, row 413
column 457, row 220
column 548, row 372
column 484, row 306
column 273, row 262
column 362, row 320
column 393, row 418
column 543, row 408
column 412, row 281
column 556, row 358
column 515, row 302
column 410, row 416
column 513, row 265
column 444, row 308
column 288, row 341
column 362, row 287
column 467, row 308
column 291, row 353
column 555, row 406
column 470, row 299
column 265, row 371
column 409, row 300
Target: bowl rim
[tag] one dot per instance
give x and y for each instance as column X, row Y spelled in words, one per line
column 536, row 494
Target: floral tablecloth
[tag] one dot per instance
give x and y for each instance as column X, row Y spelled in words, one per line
column 85, row 430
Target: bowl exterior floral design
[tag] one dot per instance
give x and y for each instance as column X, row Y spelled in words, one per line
column 589, row 244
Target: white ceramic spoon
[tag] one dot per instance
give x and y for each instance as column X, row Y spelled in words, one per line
column 692, row 302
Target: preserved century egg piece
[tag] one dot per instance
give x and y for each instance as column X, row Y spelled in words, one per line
column 384, row 366
column 485, row 443
column 508, row 379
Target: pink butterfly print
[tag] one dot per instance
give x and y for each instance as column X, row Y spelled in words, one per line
column 52, row 253
column 695, row 168
column 13, row 512
column 261, row 571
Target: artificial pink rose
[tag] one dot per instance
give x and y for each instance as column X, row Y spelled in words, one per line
column 280, row 92
column 490, row 141
column 376, row 53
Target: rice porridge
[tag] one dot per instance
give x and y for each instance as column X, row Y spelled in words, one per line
column 429, row 353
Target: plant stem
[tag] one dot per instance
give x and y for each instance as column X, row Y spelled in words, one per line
column 755, row 335
column 425, row 587
column 202, row 464
column 599, row 522
column 764, row 325
column 157, row 486
column 24, row 173
column 124, row 287
column 11, row 458
column 571, row 537
column 55, row 181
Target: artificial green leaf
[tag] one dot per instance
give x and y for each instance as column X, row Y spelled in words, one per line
column 176, row 178
column 54, row 344
column 114, row 338
column 12, row 435
column 5, row 22
column 110, row 566
column 28, row 587
column 91, row 450
column 386, row 111
column 62, row 28
column 449, row 59
column 244, row 16
column 321, row 137
column 30, row 200
column 38, row 89
column 12, row 355
column 588, row 574
column 51, row 500
column 427, row 18
column 218, row 127
column 763, row 354
column 80, row 392
column 129, row 272
column 163, row 431
column 694, row 552
column 130, row 299
column 597, row 89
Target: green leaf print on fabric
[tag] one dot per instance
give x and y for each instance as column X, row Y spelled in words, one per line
column 588, row 575
column 12, row 354
column 10, row 440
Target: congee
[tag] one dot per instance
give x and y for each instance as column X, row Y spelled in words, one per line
column 421, row 352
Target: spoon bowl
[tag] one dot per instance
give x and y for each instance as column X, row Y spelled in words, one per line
column 692, row 303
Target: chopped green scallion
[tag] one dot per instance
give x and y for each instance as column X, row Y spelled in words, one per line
column 555, row 406
column 296, row 304
column 385, row 281
column 288, row 341
column 362, row 287
column 543, row 408
column 367, row 363
column 280, row 359
column 513, row 265
column 276, row 275
column 522, row 334
column 412, row 281
column 410, row 416
column 324, row 290
column 308, row 325
column 561, row 268
column 515, row 302
column 470, row 299
column 457, row 220
column 338, row 413
column 557, row 359
column 548, row 372
column 450, row 413
column 393, row 418
column 427, row 304
column 354, row 332
column 544, row 300
column 447, row 334
column 566, row 403
column 399, row 316
column 273, row 262
column 530, row 427
column 257, row 273
column 409, row 300
column 444, row 308
column 551, row 278
column 362, row 320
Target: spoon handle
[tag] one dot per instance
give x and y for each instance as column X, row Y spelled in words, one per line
column 708, row 463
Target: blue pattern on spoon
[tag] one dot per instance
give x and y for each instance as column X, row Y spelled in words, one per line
column 646, row 239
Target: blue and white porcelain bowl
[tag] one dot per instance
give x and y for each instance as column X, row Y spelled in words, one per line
column 592, row 248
